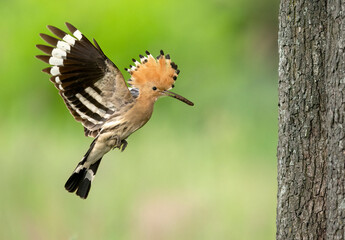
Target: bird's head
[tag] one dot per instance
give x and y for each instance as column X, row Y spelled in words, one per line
column 155, row 77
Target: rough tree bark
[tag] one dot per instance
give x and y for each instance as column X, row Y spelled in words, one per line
column 311, row 146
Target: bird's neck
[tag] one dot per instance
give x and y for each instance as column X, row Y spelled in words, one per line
column 145, row 103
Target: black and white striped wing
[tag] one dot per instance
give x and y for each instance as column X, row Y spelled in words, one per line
column 91, row 85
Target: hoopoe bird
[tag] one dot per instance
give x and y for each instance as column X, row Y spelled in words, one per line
column 96, row 94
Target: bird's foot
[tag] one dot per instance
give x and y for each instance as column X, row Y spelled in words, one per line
column 120, row 144
column 124, row 144
column 118, row 141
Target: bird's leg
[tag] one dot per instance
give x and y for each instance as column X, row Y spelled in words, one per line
column 118, row 141
column 124, row 144
column 120, row 144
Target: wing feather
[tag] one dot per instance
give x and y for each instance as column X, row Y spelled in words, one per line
column 90, row 84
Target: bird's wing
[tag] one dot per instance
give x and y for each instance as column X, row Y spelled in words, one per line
column 92, row 87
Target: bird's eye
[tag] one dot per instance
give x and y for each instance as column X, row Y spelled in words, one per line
column 154, row 88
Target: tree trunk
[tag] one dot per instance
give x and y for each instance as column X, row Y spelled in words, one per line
column 311, row 146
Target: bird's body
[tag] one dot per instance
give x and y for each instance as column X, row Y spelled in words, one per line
column 96, row 94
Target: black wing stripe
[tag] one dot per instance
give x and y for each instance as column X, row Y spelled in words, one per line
column 45, row 49
column 70, row 75
column 97, row 90
column 82, row 81
column 89, row 99
column 88, row 105
column 91, row 133
column 96, row 93
column 71, row 52
column 79, row 56
column 43, row 58
column 74, row 77
column 92, row 107
column 84, row 111
column 76, row 67
column 96, row 103
column 86, row 123
column 71, row 28
column 79, row 46
column 82, row 39
column 71, row 78
column 58, row 32
column 49, row 39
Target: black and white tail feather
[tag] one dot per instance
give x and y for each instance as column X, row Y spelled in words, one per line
column 82, row 176
column 92, row 88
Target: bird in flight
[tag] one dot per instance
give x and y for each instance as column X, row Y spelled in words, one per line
column 97, row 95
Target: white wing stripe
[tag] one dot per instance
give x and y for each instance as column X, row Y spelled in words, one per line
column 57, row 80
column 84, row 116
column 55, row 71
column 91, row 106
column 56, row 61
column 63, row 46
column 69, row 39
column 96, row 96
column 78, row 34
column 58, row 53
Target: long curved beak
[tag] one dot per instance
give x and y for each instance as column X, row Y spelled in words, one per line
column 174, row 95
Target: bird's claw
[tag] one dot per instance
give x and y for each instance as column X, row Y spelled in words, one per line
column 124, row 144
column 117, row 141
column 120, row 144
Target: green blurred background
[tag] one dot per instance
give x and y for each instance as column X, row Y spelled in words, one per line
column 202, row 172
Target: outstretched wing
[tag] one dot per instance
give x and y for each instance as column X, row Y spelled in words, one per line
column 91, row 85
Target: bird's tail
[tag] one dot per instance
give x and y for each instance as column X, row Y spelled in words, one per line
column 82, row 176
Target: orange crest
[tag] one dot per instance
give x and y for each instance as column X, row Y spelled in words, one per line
column 161, row 72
